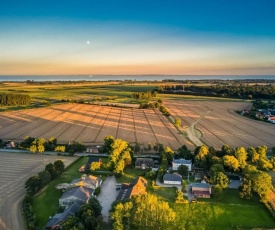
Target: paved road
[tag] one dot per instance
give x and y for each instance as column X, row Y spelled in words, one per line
column 15, row 169
column 107, row 196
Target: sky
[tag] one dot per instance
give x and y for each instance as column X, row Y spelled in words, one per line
column 122, row 37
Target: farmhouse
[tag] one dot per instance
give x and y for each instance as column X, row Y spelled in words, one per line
column 202, row 190
column 59, row 218
column 86, row 181
column 170, row 178
column 177, row 162
column 80, row 195
column 136, row 187
column 144, row 163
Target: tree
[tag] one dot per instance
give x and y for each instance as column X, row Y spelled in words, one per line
column 215, row 169
column 241, row 156
column 33, row 184
column 246, row 189
column 169, row 153
column 60, row 149
column 59, row 166
column 178, row 122
column 201, row 156
column 45, row 177
column 51, row 169
column 40, row 148
column 33, row 148
column 119, row 167
column 179, row 197
column 108, row 141
column 183, row 170
column 231, row 162
column 95, row 166
column 221, row 179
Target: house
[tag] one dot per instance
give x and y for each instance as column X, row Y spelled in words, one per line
column 80, row 195
column 202, row 190
column 136, row 187
column 58, row 218
column 144, row 163
column 86, row 181
column 271, row 119
column 177, row 162
column 92, row 149
column 172, row 178
column 87, row 166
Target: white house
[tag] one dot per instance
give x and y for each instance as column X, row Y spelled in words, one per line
column 170, row 178
column 177, row 162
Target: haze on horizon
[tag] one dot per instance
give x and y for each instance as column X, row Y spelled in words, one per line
column 137, row 37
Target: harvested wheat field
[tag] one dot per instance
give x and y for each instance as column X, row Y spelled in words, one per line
column 219, row 124
column 89, row 124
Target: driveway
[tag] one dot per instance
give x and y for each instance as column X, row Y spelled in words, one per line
column 107, row 196
column 15, row 169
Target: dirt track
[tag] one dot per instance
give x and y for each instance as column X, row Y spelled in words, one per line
column 15, row 169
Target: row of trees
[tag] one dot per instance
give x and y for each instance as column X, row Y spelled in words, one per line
column 37, row 182
column 40, row 145
column 9, row 99
column 233, row 91
column 144, row 95
column 120, row 154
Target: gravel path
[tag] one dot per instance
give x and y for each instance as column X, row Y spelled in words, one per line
column 107, row 196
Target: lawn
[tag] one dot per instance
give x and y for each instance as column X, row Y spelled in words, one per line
column 221, row 216
column 46, row 203
column 130, row 174
column 165, row 193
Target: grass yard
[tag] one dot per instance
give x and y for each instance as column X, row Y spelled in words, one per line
column 130, row 174
column 220, row 216
column 46, row 203
column 165, row 193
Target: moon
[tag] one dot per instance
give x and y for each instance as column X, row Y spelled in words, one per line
column 88, row 42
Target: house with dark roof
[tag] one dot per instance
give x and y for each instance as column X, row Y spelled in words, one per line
column 172, row 178
column 136, row 187
column 177, row 162
column 59, row 218
column 144, row 163
column 201, row 190
column 87, row 166
column 80, row 195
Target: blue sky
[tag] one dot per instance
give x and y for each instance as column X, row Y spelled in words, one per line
column 137, row 37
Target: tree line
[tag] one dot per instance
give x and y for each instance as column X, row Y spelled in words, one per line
column 232, row 91
column 34, row 184
column 144, row 95
column 41, row 145
column 8, row 99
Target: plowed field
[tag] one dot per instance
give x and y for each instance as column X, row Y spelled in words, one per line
column 219, row 124
column 89, row 124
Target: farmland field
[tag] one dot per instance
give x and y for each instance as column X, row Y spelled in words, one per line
column 89, row 124
column 219, row 124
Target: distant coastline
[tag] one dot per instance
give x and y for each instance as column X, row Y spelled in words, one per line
column 130, row 77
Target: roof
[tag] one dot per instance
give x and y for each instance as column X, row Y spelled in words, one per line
column 182, row 161
column 81, row 193
column 93, row 159
column 136, row 187
column 87, row 181
column 172, row 177
column 200, row 185
column 201, row 192
column 147, row 161
column 61, row 217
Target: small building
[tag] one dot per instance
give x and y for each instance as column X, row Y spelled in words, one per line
column 172, row 178
column 201, row 190
column 80, row 195
column 136, row 187
column 87, row 166
column 177, row 162
column 59, row 218
column 92, row 149
column 144, row 163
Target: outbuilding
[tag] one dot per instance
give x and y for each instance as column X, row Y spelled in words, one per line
column 170, row 178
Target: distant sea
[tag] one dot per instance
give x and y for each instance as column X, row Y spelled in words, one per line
column 131, row 77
